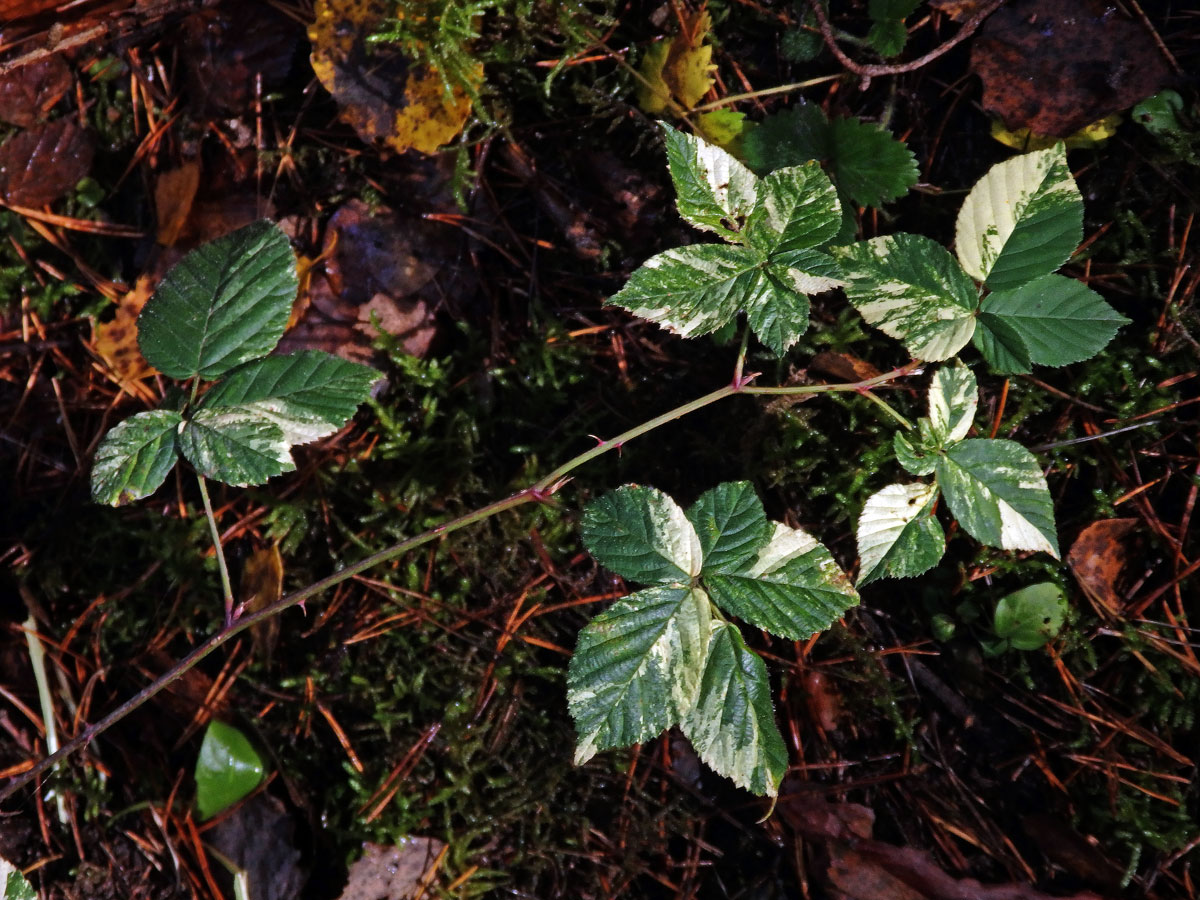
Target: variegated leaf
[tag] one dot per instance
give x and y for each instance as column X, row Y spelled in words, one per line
column 642, row 534
column 1023, row 219
column 953, row 398
column 910, row 288
column 898, row 536
column 797, row 208
column 236, row 446
column 637, row 668
column 135, row 457
column 996, row 490
column 713, row 190
column 731, row 525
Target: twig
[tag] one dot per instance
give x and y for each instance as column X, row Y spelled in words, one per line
column 867, row 72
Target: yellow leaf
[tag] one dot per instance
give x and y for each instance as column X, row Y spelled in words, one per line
column 1088, row 136
column 365, row 81
column 723, row 127
column 679, row 69
column 115, row 341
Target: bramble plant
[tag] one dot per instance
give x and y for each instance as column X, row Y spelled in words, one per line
column 667, row 654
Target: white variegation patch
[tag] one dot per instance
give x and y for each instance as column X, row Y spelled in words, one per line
column 714, row 191
column 1021, row 220
column 892, row 538
column 235, row 446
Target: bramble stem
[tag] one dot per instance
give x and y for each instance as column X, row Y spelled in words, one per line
column 226, row 585
column 887, row 408
column 539, row 492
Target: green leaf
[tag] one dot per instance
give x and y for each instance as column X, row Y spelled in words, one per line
column 997, row 492
column 1023, row 219
column 223, row 304
column 637, row 667
column 696, row 289
column 1031, row 617
column 898, row 536
column 910, row 288
column 917, row 460
column 731, row 524
column 1001, row 346
column 13, row 885
column 643, row 535
column 236, row 446
column 888, row 34
column 227, row 769
column 732, row 725
column 135, row 457
column 866, row 162
column 308, row 395
column 781, row 315
column 1060, row 320
column 953, row 398
column 713, row 190
column 796, row 209
column 792, row 588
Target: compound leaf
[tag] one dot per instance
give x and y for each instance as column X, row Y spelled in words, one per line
column 637, row 667
column 731, row 525
column 996, row 490
column 898, row 536
column 308, row 395
column 1031, row 617
column 223, row 304
column 235, row 445
column 135, row 457
column 695, row 290
column 227, row 769
column 1023, row 219
column 796, row 209
column 910, row 288
column 642, row 534
column 1060, row 320
column 732, row 725
column 1001, row 345
column 792, row 588
column 713, row 190
column 953, row 399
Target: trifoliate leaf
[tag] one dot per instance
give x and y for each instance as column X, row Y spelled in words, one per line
column 1031, row 617
column 732, row 725
column 898, row 536
column 696, row 289
column 796, row 209
column 1001, row 345
column 135, row 457
column 637, row 668
column 865, row 161
column 996, row 490
column 227, row 769
column 792, row 588
column 308, row 395
column 910, row 288
column 953, row 399
column 1023, row 219
column 1060, row 320
column 731, row 525
column 643, row 535
column 713, row 190
column 223, row 304
column 236, row 446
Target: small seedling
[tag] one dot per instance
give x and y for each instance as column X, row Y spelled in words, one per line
column 227, row 769
column 1028, row 619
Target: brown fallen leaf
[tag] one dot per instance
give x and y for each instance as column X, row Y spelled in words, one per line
column 174, row 194
column 41, row 164
column 843, row 366
column 258, row 836
column 400, row 872
column 262, row 585
column 115, row 341
column 381, row 93
column 1098, row 558
column 1053, row 66
column 228, row 49
column 28, row 93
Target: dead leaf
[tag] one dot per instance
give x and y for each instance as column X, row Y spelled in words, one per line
column 822, row 700
column 258, row 836
column 958, row 10
column 174, row 193
column 1097, row 559
column 228, row 49
column 262, row 585
column 28, row 93
column 680, row 69
column 843, row 366
column 1053, row 66
column 402, row 872
column 115, row 341
column 41, row 164
column 856, row 877
column 1026, row 141
column 382, row 94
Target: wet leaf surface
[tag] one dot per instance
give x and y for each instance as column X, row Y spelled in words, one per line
column 42, row 164
column 1053, row 66
column 28, row 93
